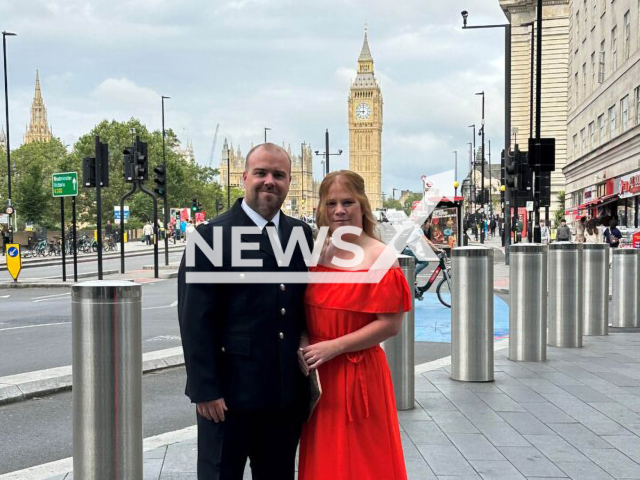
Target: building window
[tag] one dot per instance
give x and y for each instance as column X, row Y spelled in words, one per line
column 595, row 12
column 577, row 28
column 601, row 131
column 583, row 141
column 575, row 146
column 627, row 35
column 602, row 64
column 624, row 112
column 613, row 122
column 614, row 49
column 575, row 77
column 584, row 78
column 593, row 70
column 592, row 134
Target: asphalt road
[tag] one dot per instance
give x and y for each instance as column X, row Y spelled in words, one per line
column 35, row 324
column 40, row 430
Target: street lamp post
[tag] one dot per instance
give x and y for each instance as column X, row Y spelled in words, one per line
column 302, row 179
column 326, row 153
column 482, row 169
column 394, row 192
column 455, row 173
column 6, row 104
column 473, row 171
column 229, row 177
column 265, row 134
column 164, row 195
column 507, row 103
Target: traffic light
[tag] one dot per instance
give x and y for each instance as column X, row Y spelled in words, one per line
column 141, row 161
column 128, row 164
column 160, row 180
column 194, row 205
column 89, row 167
column 512, row 171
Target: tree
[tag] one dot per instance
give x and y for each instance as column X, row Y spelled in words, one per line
column 392, row 203
column 559, row 213
column 409, row 202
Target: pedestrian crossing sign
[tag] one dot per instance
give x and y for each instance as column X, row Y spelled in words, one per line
column 14, row 261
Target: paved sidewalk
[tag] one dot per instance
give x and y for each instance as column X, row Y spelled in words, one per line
column 575, row 416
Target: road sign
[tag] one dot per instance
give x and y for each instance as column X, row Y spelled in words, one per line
column 9, row 210
column 116, row 213
column 529, row 206
column 14, row 261
column 65, row 184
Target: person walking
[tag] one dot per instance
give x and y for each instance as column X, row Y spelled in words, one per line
column 5, row 239
column 563, row 234
column 545, row 232
column 612, row 235
column 241, row 341
column 580, row 228
column 147, row 232
column 353, row 433
column 591, row 234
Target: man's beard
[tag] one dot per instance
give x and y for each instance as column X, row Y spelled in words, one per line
column 268, row 209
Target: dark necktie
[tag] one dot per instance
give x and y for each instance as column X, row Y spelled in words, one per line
column 264, row 230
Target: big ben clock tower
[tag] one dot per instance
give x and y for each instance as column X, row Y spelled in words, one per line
column 365, row 127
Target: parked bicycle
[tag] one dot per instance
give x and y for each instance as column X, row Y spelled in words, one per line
column 443, row 289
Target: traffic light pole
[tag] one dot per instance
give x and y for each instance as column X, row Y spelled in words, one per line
column 155, row 229
column 536, row 174
column 134, row 187
column 99, row 203
column 164, row 196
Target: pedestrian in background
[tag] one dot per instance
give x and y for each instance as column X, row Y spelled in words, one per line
column 612, row 235
column 591, row 233
column 580, row 228
column 545, row 233
column 5, row 238
column 563, row 233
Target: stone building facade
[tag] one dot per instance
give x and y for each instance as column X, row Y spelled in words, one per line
column 38, row 129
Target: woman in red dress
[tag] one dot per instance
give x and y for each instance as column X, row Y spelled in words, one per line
column 353, row 433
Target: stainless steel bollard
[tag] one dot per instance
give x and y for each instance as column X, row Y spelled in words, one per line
column 565, row 294
column 595, row 289
column 528, row 302
column 472, row 314
column 625, row 270
column 399, row 349
column 107, row 380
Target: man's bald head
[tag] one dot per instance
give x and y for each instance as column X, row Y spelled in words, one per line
column 271, row 148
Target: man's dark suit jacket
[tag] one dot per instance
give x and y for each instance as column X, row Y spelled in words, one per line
column 240, row 341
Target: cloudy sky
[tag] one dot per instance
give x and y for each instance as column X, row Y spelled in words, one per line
column 250, row 64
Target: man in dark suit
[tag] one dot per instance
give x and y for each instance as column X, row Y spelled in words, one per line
column 240, row 341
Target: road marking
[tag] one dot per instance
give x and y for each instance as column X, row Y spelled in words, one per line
column 5, row 296
column 174, row 304
column 49, row 296
column 34, row 326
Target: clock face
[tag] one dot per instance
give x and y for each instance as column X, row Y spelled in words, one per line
column 363, row 111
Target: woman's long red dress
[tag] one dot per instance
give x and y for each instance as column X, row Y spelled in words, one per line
column 353, row 433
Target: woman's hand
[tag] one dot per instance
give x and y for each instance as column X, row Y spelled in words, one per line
column 304, row 342
column 321, row 352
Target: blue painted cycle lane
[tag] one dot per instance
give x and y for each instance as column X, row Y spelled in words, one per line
column 433, row 320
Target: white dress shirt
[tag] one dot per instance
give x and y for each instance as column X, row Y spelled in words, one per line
column 258, row 219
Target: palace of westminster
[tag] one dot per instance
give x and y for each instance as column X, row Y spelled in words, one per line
column 365, row 136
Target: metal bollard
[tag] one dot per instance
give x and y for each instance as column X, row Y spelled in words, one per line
column 528, row 302
column 595, row 289
column 472, row 314
column 626, row 306
column 399, row 349
column 565, row 294
column 107, row 380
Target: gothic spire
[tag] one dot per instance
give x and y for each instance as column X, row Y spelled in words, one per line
column 365, row 53
column 38, row 94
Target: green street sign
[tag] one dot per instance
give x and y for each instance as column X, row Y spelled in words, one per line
column 65, row 184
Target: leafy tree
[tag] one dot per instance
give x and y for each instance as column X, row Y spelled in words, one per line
column 392, row 203
column 409, row 201
column 31, row 197
column 559, row 213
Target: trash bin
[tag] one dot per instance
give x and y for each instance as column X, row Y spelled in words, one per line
column 528, row 302
column 400, row 349
column 625, row 292
column 595, row 291
column 107, row 380
column 565, row 294
column 472, row 314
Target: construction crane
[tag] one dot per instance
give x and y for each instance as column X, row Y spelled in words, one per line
column 213, row 147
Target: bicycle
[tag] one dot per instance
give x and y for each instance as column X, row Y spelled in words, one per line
column 443, row 289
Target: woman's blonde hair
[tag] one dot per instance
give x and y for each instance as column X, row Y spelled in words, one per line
column 354, row 184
